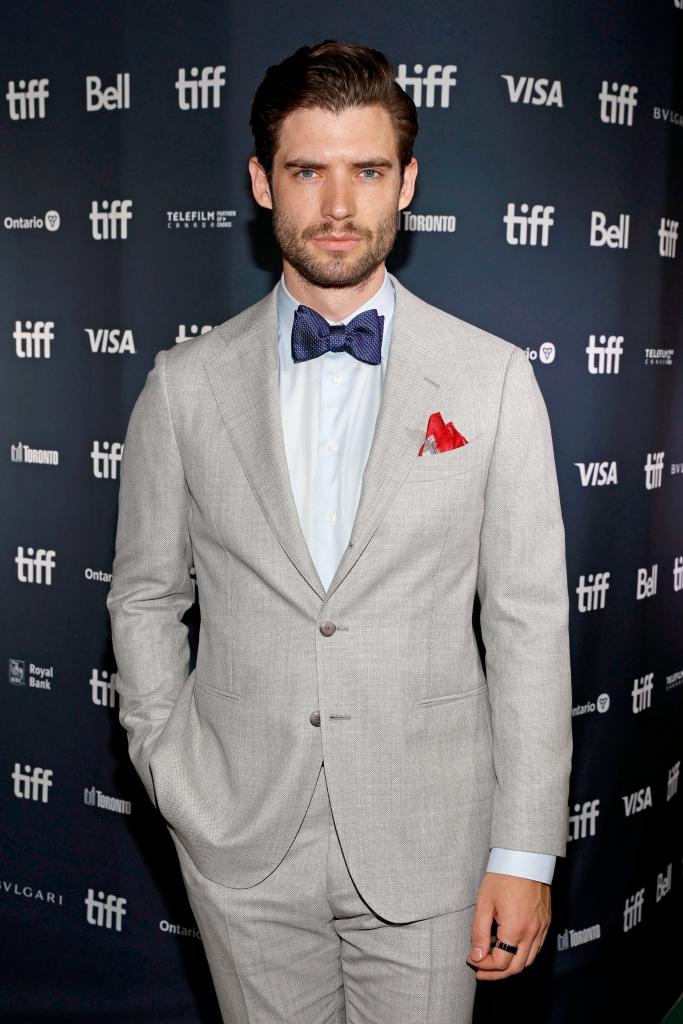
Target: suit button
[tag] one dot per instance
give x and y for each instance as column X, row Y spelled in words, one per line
column 327, row 628
column 314, row 718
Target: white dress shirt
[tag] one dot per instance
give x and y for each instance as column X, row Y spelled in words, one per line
column 329, row 407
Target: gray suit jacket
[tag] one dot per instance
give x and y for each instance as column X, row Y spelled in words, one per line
column 429, row 761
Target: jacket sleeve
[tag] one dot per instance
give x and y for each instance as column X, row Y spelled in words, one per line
column 522, row 586
column 151, row 584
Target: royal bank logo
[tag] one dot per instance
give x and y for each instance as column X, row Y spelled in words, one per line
column 614, row 236
column 531, row 226
column 592, row 591
column 106, row 457
column 38, row 677
column 105, row 910
column 604, row 352
column 32, row 338
column 21, row 452
column 114, row 341
column 539, row 92
column 109, row 220
column 617, row 103
column 582, row 822
column 633, row 910
column 431, row 222
column 597, row 474
column 35, row 565
column 668, row 237
column 199, row 219
column 200, row 88
column 187, row 331
column 26, row 99
column 428, row 87
column 103, row 689
column 653, row 468
column 110, row 97
column 31, row 783
column 641, row 693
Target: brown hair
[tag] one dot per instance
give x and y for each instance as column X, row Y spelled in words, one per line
column 331, row 76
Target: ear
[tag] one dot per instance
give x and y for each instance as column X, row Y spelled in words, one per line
column 260, row 185
column 408, row 185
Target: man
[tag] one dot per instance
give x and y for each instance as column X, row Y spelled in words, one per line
column 366, row 822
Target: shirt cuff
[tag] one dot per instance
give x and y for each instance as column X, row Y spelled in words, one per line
column 539, row 866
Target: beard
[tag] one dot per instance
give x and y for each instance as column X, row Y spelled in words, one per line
column 337, row 269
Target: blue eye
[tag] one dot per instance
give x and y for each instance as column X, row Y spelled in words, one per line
column 371, row 169
column 305, row 169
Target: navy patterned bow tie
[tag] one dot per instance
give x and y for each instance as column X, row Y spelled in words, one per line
column 312, row 335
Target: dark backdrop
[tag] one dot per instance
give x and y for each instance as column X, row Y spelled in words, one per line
column 572, row 108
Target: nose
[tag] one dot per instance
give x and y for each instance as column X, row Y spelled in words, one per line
column 337, row 199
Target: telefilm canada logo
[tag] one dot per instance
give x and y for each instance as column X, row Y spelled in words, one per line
column 199, row 220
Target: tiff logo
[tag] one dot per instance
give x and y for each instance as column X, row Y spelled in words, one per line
column 105, row 911
column 604, row 352
column 31, row 783
column 642, row 693
column 646, row 586
column 195, row 92
column 654, row 470
column 615, row 236
column 114, row 97
column 668, row 236
column 30, row 566
column 186, row 332
column 633, row 910
column 103, row 689
column 540, row 92
column 439, row 77
column 109, row 223
column 617, row 103
column 523, row 228
column 592, row 594
column 678, row 572
column 32, row 339
column 26, row 100
column 582, row 821
column 105, row 460
column 672, row 781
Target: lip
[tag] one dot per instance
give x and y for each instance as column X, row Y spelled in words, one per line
column 337, row 244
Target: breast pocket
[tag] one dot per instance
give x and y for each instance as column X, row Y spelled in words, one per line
column 447, row 464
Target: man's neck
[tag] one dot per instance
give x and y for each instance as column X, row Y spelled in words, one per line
column 332, row 303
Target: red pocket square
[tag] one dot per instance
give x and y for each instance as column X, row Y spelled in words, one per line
column 443, row 435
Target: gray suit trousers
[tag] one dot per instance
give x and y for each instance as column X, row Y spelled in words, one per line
column 302, row 947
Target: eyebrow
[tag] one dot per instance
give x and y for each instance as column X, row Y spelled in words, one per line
column 379, row 161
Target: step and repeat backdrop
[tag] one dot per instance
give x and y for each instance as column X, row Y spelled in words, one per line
column 548, row 210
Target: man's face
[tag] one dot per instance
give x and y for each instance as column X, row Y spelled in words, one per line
column 336, row 189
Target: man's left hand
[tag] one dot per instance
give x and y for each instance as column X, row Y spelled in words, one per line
column 521, row 907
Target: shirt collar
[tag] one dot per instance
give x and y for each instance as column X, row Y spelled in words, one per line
column 383, row 301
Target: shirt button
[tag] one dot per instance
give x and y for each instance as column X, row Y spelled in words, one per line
column 314, row 718
column 337, row 378
column 332, row 446
column 331, row 516
column 327, row 628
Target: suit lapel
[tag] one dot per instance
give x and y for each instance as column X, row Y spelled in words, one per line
column 244, row 379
